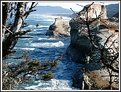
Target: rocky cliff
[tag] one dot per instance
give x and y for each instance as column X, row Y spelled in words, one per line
column 59, row 28
column 88, row 36
column 94, row 10
column 80, row 41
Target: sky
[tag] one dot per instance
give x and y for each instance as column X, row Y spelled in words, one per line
column 72, row 4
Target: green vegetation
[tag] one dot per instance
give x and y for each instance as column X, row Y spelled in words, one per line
column 17, row 73
column 47, row 76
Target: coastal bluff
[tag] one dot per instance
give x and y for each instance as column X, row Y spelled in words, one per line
column 82, row 51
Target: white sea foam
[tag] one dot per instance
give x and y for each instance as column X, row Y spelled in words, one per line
column 37, row 32
column 39, row 17
column 53, row 84
column 24, row 48
column 48, row 44
column 34, row 26
column 62, row 80
column 31, row 26
column 42, row 26
column 47, row 17
column 52, row 17
column 27, row 48
column 47, row 38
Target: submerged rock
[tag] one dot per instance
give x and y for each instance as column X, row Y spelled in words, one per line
column 59, row 28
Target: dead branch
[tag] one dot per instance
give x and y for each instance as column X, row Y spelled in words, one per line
column 113, row 42
column 107, row 40
column 7, row 29
column 78, row 15
column 20, row 33
column 74, row 12
column 30, row 9
column 80, row 5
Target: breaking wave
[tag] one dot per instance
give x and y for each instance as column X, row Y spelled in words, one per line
column 47, row 39
column 48, row 44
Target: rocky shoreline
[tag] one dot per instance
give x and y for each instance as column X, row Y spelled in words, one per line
column 98, row 71
column 94, row 48
column 94, row 41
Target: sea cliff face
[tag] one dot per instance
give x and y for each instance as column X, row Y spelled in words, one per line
column 80, row 46
column 59, row 28
column 94, row 10
column 81, row 50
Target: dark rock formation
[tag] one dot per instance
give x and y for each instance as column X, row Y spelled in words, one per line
column 59, row 28
column 78, row 79
column 81, row 50
column 80, row 46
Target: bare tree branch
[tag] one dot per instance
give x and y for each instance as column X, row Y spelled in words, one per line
column 80, row 5
column 7, row 29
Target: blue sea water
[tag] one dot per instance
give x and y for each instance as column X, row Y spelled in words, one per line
column 41, row 47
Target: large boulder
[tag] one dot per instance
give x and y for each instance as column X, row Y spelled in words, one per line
column 59, row 28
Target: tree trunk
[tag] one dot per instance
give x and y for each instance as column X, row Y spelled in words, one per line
column 19, row 17
column 5, row 8
column 10, row 36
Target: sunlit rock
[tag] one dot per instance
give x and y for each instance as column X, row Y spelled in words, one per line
column 59, row 28
column 94, row 11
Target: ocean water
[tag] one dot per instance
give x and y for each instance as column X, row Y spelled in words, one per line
column 39, row 46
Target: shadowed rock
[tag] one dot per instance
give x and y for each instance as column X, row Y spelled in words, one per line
column 80, row 46
column 81, row 50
